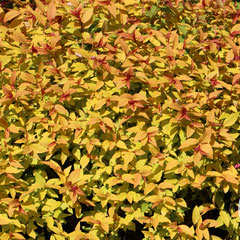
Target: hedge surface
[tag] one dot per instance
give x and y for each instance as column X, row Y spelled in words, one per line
column 119, row 120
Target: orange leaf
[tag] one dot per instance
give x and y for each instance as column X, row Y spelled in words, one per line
column 108, row 122
column 4, row 222
column 189, row 143
column 236, row 78
column 91, row 220
column 19, row 37
column 74, row 176
column 102, row 126
column 13, row 78
column 105, row 227
column 233, row 45
column 186, row 230
column 140, row 136
column 53, row 165
column 10, row 15
column 235, row 28
column 207, row 148
column 112, row 9
column 59, row 108
column 93, row 120
column 51, row 11
column 230, row 178
column 137, row 179
column 230, row 56
column 165, row 185
column 13, row 128
column 128, row 178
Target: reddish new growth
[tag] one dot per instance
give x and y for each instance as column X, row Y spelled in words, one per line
column 20, row 210
column 198, row 149
column 129, row 74
column 183, row 113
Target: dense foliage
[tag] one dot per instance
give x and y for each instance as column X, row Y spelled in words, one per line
column 119, row 119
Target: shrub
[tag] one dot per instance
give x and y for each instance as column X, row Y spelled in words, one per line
column 119, row 120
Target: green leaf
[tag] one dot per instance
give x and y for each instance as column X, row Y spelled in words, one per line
column 152, row 12
column 182, row 29
column 144, row 207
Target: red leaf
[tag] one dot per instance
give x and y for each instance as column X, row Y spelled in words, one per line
column 7, row 93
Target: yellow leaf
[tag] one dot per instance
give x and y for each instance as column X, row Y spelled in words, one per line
column 84, row 161
column 213, row 237
column 213, row 65
column 28, row 77
column 51, row 11
column 181, row 202
column 84, row 53
column 231, row 119
column 40, row 5
column 149, row 187
column 87, row 15
column 196, row 215
column 78, row 67
column 128, row 178
column 99, row 104
column 172, row 163
column 10, row 15
column 169, row 202
column 39, row 179
column 12, row 170
column 4, row 222
column 153, row 199
column 225, row 217
column 213, row 174
column 121, row 144
column 40, row 17
column 38, row 148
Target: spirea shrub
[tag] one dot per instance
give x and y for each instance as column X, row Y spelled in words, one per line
column 119, row 119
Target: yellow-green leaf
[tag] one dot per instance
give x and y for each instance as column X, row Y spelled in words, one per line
column 231, row 119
